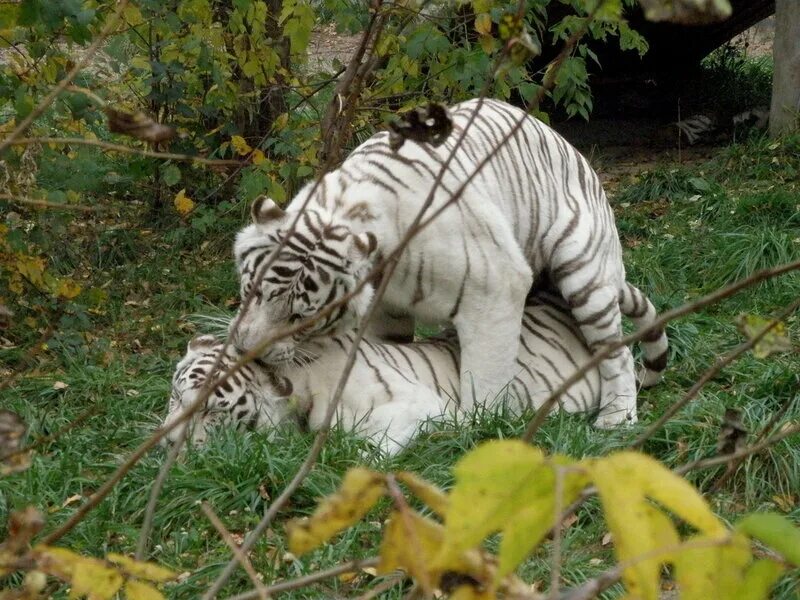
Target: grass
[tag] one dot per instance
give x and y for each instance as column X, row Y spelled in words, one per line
column 685, row 231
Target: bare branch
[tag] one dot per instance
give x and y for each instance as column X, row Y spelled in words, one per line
column 111, row 23
column 23, row 201
column 263, row 594
column 130, row 150
column 712, row 372
column 352, row 566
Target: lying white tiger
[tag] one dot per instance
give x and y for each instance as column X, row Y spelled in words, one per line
column 536, row 208
column 392, row 389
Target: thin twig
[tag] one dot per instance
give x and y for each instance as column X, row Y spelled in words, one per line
column 352, row 566
column 46, row 439
column 263, row 594
column 558, row 501
column 734, row 464
column 79, row 64
column 152, row 501
column 21, row 200
column 712, row 372
column 659, row 323
column 129, row 150
column 706, row 463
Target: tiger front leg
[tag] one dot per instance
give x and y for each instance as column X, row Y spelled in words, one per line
column 489, row 327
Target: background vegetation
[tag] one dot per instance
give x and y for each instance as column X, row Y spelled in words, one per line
column 107, row 286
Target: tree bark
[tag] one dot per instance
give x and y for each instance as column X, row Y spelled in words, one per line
column 785, row 108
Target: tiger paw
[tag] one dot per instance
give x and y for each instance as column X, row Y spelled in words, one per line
column 614, row 419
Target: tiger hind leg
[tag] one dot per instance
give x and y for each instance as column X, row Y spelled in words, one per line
column 636, row 306
column 597, row 312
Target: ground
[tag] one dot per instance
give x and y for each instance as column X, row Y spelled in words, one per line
column 687, row 228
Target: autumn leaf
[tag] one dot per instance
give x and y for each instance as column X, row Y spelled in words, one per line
column 775, row 531
column 483, row 24
column 411, row 542
column 240, row 145
column 142, row 570
column 508, row 486
column 711, row 566
column 257, row 157
column 67, row 289
column 138, row 590
column 775, row 340
column 360, row 489
column 183, row 204
column 627, row 482
column 759, row 579
column 431, row 495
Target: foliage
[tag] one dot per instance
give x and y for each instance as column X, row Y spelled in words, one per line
column 88, row 577
column 514, row 488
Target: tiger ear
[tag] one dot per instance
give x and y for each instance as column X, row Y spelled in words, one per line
column 265, row 210
column 201, row 341
column 362, row 245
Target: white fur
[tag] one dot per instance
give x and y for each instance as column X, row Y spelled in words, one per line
column 537, row 206
column 394, row 388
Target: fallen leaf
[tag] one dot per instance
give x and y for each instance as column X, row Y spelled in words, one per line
column 183, row 204
column 60, row 385
column 607, row 539
column 595, row 561
column 70, row 500
column 786, row 502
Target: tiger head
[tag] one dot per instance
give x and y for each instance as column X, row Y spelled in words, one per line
column 252, row 398
column 319, row 263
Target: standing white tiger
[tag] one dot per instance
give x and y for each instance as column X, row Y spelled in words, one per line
column 536, row 207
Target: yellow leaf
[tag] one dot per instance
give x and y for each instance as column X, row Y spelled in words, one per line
column 133, row 15
column 143, row 570
column 257, row 157
column 483, row 24
column 138, row 590
column 240, row 145
column 360, row 490
column 431, row 495
column 626, row 483
column 67, row 289
column 281, row 121
column 497, row 485
column 410, row 542
column 92, row 579
column 775, row 340
column 183, row 204
column 713, row 571
column 487, row 43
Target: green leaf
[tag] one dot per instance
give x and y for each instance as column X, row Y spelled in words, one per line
column 304, row 171
column 775, row 531
column 499, row 485
column 23, row 103
column 759, row 579
column 171, row 174
column 712, row 567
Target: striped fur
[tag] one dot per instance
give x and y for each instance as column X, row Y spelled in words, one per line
column 393, row 388
column 536, row 208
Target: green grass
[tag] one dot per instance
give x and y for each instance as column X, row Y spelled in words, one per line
column 685, row 232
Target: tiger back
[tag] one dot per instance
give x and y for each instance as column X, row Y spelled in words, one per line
column 393, row 388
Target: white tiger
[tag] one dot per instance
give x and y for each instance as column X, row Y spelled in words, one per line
column 537, row 208
column 392, row 389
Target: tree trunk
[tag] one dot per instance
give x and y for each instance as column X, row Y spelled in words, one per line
column 783, row 114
